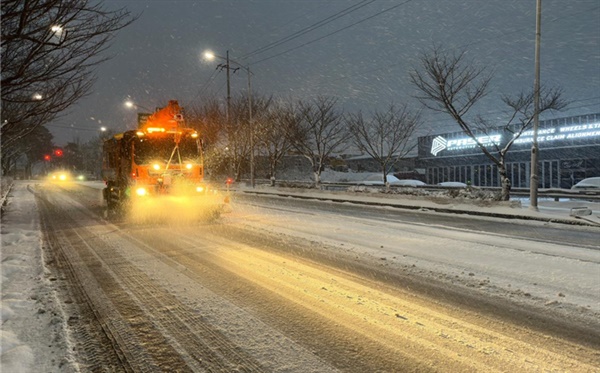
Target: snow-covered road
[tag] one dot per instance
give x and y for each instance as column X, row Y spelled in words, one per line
column 280, row 287
column 554, row 274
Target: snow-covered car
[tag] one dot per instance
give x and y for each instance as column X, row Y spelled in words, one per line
column 377, row 179
column 409, row 182
column 589, row 185
column 454, row 184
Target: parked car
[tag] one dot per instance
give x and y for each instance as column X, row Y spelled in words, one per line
column 409, row 182
column 454, row 184
column 591, row 185
column 377, row 179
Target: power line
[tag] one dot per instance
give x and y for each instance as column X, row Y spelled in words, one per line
column 288, row 22
column 387, row 68
column 334, row 32
column 310, row 28
column 206, row 84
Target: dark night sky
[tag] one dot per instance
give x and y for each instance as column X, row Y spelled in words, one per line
column 365, row 62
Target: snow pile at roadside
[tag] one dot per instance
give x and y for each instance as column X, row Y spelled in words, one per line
column 33, row 329
column 548, row 209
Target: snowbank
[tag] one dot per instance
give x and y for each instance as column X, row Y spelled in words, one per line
column 33, row 328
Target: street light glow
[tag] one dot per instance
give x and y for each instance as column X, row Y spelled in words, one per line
column 37, row 96
column 56, row 29
column 209, row 55
column 130, row 105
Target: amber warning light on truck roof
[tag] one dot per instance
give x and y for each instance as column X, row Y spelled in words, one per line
column 155, row 129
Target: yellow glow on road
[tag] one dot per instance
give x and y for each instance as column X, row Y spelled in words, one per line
column 398, row 321
column 173, row 209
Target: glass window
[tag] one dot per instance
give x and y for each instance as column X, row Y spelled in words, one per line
column 164, row 149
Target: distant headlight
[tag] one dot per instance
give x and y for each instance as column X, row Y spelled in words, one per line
column 62, row 177
column 189, row 166
column 200, row 189
column 141, row 191
column 156, row 166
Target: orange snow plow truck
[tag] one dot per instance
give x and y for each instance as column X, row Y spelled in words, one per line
column 157, row 171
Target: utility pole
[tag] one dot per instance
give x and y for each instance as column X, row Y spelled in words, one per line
column 210, row 56
column 251, row 128
column 534, row 179
column 228, row 90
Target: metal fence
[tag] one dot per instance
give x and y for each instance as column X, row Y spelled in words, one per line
column 554, row 193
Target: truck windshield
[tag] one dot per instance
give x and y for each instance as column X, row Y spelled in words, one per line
column 152, row 149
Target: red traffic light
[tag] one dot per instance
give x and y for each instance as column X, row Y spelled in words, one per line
column 58, row 152
column 47, row 157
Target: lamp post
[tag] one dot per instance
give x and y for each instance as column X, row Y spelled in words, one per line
column 211, row 56
column 534, row 179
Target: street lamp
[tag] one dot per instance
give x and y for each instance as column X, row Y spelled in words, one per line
column 210, row 56
column 59, row 32
column 130, row 104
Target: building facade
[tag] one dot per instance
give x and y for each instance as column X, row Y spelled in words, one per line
column 569, row 151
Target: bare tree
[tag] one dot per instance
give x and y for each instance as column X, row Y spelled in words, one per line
column 49, row 51
column 240, row 128
column 450, row 84
column 386, row 137
column 271, row 134
column 317, row 131
column 30, row 149
column 91, row 152
column 208, row 119
column 236, row 134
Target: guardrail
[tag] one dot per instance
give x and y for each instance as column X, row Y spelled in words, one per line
column 557, row 194
column 554, row 193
